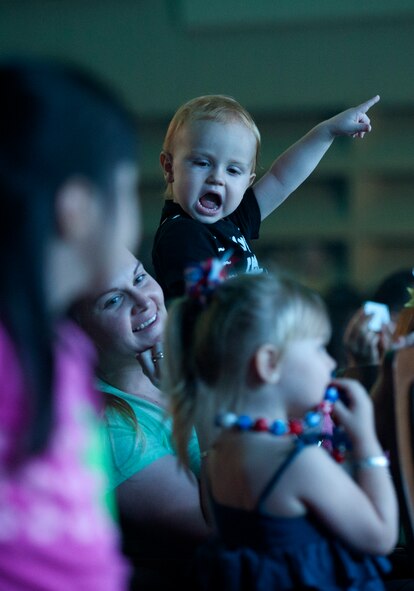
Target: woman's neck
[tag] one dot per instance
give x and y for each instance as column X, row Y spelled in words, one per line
column 132, row 380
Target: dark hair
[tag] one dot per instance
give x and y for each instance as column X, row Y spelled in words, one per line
column 393, row 289
column 56, row 122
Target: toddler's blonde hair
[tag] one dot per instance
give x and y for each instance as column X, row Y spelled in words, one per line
column 212, row 107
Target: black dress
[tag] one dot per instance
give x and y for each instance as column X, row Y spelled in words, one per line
column 255, row 551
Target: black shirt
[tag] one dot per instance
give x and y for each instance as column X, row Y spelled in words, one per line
column 181, row 241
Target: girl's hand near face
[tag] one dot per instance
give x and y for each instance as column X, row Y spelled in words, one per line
column 151, row 362
column 355, row 413
column 361, row 510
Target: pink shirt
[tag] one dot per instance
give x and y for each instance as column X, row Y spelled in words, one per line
column 56, row 532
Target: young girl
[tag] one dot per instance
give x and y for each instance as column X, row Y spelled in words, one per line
column 67, row 195
column 250, row 356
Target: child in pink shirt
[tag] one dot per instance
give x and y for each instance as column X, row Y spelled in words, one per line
column 67, row 180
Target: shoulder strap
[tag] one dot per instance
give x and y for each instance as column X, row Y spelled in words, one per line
column 299, row 445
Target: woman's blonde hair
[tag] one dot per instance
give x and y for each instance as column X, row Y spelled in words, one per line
column 212, row 107
column 209, row 348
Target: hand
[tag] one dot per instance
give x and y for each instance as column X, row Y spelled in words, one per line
column 357, row 415
column 151, row 362
column 404, row 341
column 363, row 345
column 353, row 122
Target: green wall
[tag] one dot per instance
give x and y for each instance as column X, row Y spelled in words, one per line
column 290, row 62
column 162, row 52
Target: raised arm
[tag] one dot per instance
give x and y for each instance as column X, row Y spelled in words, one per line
column 297, row 162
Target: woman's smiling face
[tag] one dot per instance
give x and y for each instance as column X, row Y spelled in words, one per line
column 128, row 315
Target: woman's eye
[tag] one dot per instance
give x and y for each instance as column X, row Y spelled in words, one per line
column 139, row 278
column 112, row 302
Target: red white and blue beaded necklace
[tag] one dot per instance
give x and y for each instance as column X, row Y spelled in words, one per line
column 306, row 429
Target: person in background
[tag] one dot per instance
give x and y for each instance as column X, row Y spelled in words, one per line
column 365, row 347
column 248, row 356
column 68, row 177
column 159, row 503
column 214, row 207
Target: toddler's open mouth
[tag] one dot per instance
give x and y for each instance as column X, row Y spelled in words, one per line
column 210, row 202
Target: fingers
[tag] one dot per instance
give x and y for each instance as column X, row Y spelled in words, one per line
column 364, row 107
column 341, row 413
column 353, row 388
column 363, row 125
column 404, row 341
column 145, row 361
column 157, row 352
column 363, row 121
column 357, row 403
column 151, row 363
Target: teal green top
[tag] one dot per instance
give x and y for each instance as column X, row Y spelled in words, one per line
column 129, row 450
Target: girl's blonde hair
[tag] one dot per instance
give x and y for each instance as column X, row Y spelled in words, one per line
column 209, row 349
column 212, row 107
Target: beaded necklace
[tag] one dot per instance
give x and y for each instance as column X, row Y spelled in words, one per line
column 333, row 439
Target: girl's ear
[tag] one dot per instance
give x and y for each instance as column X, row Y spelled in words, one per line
column 166, row 161
column 252, row 179
column 266, row 361
column 77, row 210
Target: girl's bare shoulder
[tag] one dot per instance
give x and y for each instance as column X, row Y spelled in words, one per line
column 240, row 466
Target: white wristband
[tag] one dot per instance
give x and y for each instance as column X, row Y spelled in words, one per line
column 373, row 462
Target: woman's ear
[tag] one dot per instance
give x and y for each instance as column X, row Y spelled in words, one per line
column 266, row 361
column 77, row 210
column 166, row 161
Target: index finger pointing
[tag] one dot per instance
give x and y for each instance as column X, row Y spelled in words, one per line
column 364, row 107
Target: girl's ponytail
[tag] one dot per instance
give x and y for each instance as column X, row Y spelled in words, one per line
column 181, row 376
column 179, row 380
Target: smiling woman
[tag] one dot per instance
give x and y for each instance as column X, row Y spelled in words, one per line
column 159, row 502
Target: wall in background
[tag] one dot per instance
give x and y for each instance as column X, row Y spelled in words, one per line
column 290, row 66
column 154, row 52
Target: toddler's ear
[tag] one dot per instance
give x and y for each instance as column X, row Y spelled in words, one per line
column 166, row 161
column 266, row 362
